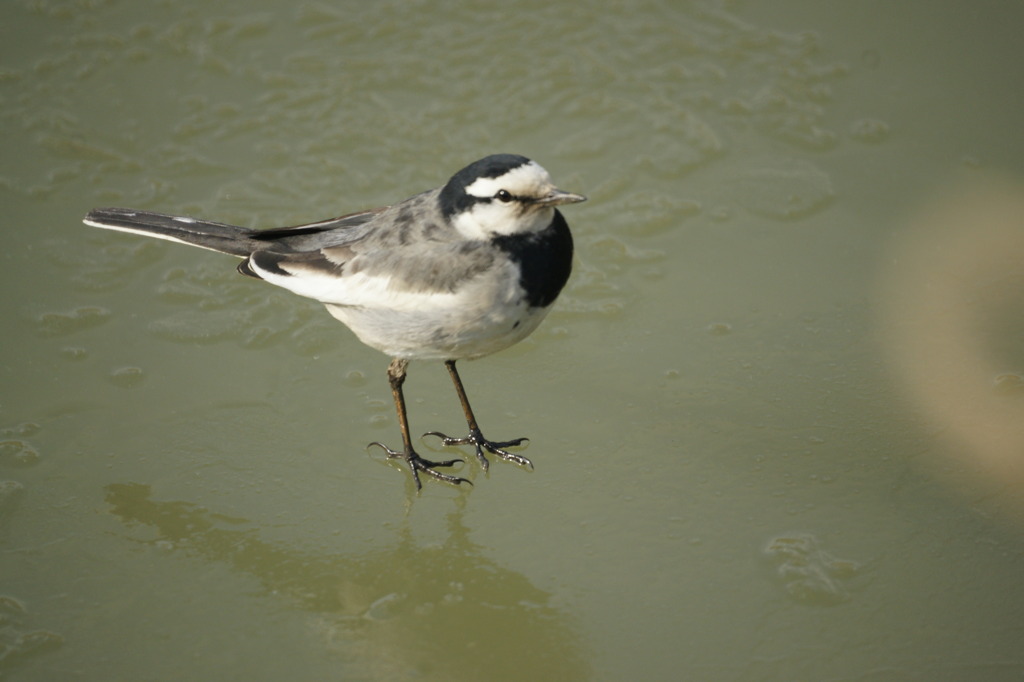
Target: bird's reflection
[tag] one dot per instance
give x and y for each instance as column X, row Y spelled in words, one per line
column 441, row 611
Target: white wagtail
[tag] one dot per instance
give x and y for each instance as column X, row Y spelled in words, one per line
column 454, row 273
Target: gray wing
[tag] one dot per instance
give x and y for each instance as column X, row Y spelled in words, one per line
column 428, row 267
column 408, row 247
column 312, row 236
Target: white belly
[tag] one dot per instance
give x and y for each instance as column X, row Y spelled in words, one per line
column 451, row 333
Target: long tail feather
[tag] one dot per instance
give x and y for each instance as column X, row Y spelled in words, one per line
column 230, row 239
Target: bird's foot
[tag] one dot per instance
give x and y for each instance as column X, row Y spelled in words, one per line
column 418, row 464
column 479, row 443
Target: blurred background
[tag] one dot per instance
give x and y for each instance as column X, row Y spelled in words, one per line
column 776, row 417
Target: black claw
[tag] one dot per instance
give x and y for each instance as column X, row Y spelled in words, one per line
column 479, row 443
column 418, row 464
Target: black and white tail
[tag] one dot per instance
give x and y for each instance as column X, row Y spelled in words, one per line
column 206, row 234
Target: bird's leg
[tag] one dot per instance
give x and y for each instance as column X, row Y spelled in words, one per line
column 475, row 437
column 396, row 377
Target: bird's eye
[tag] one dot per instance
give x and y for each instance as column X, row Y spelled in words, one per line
column 503, row 195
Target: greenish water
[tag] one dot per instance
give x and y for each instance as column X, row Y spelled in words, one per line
column 774, row 417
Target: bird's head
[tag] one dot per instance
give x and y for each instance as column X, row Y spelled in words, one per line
column 502, row 194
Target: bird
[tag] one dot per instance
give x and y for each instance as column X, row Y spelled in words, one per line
column 453, row 273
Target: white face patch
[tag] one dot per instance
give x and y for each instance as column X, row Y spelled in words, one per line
column 496, row 217
column 528, row 180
